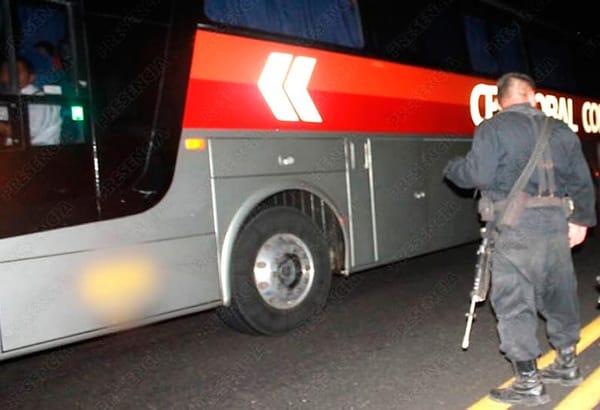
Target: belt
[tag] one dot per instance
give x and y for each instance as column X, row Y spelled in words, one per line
column 534, row 202
column 488, row 209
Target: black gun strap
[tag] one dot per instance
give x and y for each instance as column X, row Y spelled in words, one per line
column 536, row 155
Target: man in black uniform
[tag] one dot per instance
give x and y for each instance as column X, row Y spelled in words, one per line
column 532, row 270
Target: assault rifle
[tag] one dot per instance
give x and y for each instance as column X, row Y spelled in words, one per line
column 481, row 283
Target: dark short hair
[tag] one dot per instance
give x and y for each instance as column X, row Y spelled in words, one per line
column 47, row 46
column 506, row 81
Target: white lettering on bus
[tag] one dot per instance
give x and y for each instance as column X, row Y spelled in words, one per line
column 490, row 105
column 560, row 108
column 590, row 117
column 557, row 107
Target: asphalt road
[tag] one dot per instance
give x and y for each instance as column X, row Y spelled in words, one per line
column 388, row 339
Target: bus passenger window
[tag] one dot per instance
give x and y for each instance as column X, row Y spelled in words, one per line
column 551, row 62
column 46, row 74
column 494, row 48
column 329, row 21
column 427, row 34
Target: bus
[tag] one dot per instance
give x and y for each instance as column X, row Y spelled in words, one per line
column 160, row 158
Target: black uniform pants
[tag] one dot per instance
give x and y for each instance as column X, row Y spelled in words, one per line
column 532, row 273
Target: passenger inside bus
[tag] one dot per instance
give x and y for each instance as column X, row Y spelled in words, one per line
column 47, row 49
column 45, row 121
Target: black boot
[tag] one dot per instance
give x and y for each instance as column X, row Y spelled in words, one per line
column 527, row 390
column 564, row 370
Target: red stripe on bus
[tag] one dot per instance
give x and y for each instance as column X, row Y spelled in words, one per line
column 241, row 106
column 351, row 93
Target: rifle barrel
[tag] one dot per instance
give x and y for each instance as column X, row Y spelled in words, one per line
column 470, row 316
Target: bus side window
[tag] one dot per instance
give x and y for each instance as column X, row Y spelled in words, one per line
column 443, row 43
column 329, row 21
column 494, row 48
column 551, row 62
column 428, row 34
column 48, row 75
column 390, row 34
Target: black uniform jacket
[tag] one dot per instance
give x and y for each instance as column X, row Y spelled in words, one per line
column 501, row 148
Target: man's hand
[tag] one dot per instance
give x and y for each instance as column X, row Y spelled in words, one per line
column 576, row 234
column 450, row 164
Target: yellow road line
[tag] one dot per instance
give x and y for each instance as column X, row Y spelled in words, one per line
column 589, row 335
column 585, row 396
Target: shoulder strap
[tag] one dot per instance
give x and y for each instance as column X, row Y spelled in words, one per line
column 545, row 168
column 550, row 171
column 536, row 155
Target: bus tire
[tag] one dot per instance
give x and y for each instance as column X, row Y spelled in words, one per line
column 280, row 273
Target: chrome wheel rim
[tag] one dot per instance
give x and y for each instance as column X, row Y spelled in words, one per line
column 284, row 271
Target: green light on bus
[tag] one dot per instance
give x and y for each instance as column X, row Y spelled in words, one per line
column 77, row 113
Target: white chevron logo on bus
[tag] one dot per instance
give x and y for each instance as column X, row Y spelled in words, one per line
column 284, row 82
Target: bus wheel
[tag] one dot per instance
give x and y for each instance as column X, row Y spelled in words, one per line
column 280, row 273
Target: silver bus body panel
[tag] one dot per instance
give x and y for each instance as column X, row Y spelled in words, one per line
column 106, row 331
column 419, row 213
column 243, row 157
column 394, row 202
column 176, row 238
column 452, row 219
column 50, row 299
